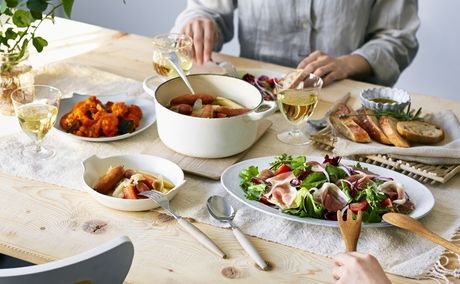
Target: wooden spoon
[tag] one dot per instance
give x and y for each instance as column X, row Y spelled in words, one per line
column 405, row 222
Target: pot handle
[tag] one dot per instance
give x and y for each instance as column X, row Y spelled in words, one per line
column 262, row 111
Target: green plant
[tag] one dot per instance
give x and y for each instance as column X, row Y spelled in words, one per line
column 19, row 21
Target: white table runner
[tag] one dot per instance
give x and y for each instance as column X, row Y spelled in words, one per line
column 398, row 251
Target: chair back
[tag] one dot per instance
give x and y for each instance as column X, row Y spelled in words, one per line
column 107, row 263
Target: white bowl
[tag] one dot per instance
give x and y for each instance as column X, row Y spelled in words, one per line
column 400, row 97
column 95, row 167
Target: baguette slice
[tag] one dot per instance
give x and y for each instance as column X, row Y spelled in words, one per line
column 347, row 126
column 368, row 121
column 388, row 125
column 293, row 79
column 420, row 132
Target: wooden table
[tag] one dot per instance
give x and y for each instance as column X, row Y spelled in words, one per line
column 40, row 222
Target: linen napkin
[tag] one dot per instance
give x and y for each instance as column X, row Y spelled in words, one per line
column 445, row 152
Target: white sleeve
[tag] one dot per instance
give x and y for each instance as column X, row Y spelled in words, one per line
column 391, row 44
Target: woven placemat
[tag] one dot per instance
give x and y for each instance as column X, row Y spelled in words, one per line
column 429, row 174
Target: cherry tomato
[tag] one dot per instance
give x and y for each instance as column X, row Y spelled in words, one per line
column 282, row 169
column 358, row 206
column 386, row 203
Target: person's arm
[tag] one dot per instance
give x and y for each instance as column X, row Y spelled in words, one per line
column 355, row 267
column 391, row 44
column 209, row 23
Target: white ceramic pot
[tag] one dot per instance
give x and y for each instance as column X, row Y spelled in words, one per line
column 208, row 137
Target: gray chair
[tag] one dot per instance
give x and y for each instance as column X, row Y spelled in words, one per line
column 107, row 263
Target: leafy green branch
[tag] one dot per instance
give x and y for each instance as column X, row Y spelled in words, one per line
column 19, row 21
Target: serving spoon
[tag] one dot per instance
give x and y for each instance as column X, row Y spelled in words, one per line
column 174, row 60
column 222, row 211
column 406, row 222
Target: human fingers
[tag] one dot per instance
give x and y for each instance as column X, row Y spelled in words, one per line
column 210, row 39
column 198, row 45
column 309, row 59
column 347, row 257
column 338, row 272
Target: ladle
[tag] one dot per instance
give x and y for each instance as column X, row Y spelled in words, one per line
column 174, row 60
column 222, row 211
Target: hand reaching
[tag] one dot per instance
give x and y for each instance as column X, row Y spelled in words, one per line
column 332, row 69
column 204, row 33
column 354, row 267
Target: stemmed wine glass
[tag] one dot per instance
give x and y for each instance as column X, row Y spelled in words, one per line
column 36, row 108
column 297, row 105
column 163, row 45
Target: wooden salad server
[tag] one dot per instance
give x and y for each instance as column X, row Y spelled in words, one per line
column 406, row 222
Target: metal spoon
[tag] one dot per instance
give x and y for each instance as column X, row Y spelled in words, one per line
column 220, row 210
column 174, row 60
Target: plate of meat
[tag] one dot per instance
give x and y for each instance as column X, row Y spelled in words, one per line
column 104, row 118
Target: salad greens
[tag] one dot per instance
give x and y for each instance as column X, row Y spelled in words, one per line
column 311, row 189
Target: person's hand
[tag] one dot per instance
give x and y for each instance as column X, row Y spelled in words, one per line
column 204, row 33
column 332, row 69
column 355, row 267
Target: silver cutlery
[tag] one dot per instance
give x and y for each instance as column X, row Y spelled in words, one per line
column 324, row 121
column 189, row 227
column 222, row 211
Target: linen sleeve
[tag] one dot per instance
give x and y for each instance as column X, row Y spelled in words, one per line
column 391, row 41
column 221, row 11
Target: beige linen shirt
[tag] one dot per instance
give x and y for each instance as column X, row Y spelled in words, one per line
column 286, row 31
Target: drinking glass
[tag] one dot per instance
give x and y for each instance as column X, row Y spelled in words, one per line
column 36, row 108
column 297, row 105
column 163, row 45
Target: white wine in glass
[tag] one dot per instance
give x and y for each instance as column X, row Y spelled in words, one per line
column 163, row 45
column 297, row 105
column 36, row 108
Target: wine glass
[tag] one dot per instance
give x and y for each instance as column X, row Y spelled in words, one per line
column 297, row 105
column 36, row 108
column 163, row 45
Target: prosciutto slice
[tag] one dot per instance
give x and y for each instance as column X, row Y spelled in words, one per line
column 394, row 190
column 332, row 198
column 282, row 193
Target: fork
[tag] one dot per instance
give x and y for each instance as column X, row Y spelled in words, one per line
column 189, row 227
column 323, row 122
column 350, row 229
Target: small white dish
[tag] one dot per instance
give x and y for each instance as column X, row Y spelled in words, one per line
column 145, row 103
column 95, row 167
column 391, row 99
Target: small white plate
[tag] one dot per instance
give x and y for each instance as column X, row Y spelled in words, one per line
column 419, row 194
column 145, row 103
column 95, row 167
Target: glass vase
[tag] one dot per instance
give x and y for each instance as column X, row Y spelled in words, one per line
column 15, row 72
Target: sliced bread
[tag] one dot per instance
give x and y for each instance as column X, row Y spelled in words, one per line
column 366, row 119
column 420, row 132
column 346, row 124
column 388, row 125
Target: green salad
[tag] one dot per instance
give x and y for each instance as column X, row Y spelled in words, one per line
column 312, row 189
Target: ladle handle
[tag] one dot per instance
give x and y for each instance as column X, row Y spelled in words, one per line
column 249, row 248
column 174, row 60
column 201, row 237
